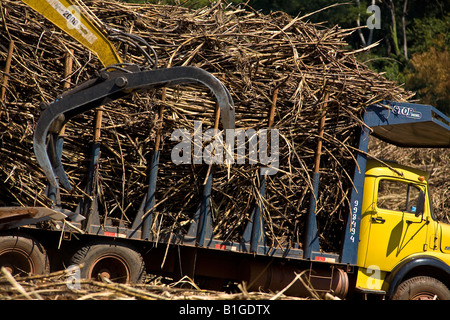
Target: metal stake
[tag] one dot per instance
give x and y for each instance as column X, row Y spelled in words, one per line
column 312, row 236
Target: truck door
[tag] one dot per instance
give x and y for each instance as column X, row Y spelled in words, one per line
column 396, row 227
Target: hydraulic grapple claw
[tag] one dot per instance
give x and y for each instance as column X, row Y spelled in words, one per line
column 108, row 88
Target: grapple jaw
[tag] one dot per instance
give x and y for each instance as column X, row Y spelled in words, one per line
column 112, row 85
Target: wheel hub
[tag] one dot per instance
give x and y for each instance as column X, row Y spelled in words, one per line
column 104, row 274
column 16, row 261
column 425, row 296
column 111, row 267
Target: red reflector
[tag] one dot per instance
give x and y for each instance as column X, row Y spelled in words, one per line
column 319, row 258
column 221, row 246
column 110, row 234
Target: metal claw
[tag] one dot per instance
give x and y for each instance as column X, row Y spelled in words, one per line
column 103, row 91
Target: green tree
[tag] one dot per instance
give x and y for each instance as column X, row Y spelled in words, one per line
column 429, row 31
column 430, row 77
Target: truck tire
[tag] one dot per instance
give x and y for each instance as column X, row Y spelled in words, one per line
column 116, row 262
column 22, row 255
column 422, row 288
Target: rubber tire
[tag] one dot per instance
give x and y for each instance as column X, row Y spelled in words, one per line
column 90, row 254
column 410, row 288
column 25, row 245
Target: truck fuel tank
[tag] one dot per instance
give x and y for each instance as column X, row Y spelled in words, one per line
column 276, row 276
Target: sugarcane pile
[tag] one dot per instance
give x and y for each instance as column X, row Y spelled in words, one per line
column 276, row 60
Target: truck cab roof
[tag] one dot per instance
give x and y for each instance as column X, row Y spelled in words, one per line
column 393, row 169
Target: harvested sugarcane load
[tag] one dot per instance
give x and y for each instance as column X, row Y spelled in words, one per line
column 283, row 73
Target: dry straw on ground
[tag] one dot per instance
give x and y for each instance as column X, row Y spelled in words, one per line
column 60, row 286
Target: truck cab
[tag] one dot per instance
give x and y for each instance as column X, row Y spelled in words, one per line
column 403, row 248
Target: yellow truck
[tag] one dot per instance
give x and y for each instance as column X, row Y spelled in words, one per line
column 403, row 249
column 393, row 247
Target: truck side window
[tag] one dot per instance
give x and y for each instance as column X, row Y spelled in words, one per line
column 398, row 196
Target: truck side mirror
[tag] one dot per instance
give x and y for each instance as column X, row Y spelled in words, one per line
column 421, row 204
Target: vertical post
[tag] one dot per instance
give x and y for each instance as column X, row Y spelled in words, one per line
column 68, row 66
column 312, row 236
column 147, row 214
column 254, row 232
column 349, row 253
column 7, row 70
column 273, row 108
column 52, row 192
column 205, row 218
column 90, row 207
column 201, row 228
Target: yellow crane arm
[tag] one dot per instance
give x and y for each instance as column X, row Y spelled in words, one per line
column 69, row 18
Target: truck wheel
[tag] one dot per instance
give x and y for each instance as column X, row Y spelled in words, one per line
column 422, row 288
column 22, row 255
column 118, row 263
